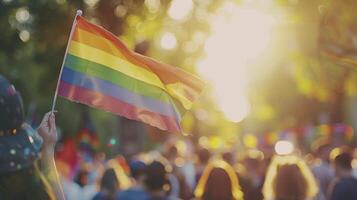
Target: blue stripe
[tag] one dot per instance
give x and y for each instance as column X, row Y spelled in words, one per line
column 107, row 88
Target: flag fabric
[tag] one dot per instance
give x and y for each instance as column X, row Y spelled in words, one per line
column 67, row 156
column 100, row 71
column 87, row 137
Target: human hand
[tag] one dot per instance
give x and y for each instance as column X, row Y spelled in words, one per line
column 47, row 130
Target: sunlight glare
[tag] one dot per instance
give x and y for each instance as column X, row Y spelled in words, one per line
column 239, row 34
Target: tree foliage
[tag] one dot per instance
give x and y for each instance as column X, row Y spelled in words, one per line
column 298, row 86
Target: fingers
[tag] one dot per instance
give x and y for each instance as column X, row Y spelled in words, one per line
column 48, row 120
column 52, row 122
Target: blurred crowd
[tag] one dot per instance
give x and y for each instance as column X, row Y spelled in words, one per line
column 32, row 168
column 181, row 170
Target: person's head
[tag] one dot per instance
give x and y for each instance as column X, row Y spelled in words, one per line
column 342, row 161
column 156, row 177
column 203, row 155
column 322, row 148
column 218, row 181
column 109, row 182
column 172, row 152
column 82, row 177
column 253, row 160
column 137, row 170
column 228, row 157
column 288, row 177
column 19, row 147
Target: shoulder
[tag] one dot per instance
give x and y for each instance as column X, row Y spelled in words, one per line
column 137, row 193
column 98, row 196
column 343, row 184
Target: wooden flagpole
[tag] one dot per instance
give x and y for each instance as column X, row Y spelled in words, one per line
column 78, row 13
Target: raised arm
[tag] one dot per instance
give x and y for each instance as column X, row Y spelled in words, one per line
column 48, row 132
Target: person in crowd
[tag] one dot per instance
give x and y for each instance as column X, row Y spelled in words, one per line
column 252, row 175
column 228, row 157
column 345, row 186
column 218, row 181
column 82, row 177
column 87, row 190
column 156, row 181
column 71, row 189
column 203, row 156
column 178, row 178
column 289, row 178
column 137, row 191
column 109, row 186
column 22, row 174
column 322, row 168
column 97, row 167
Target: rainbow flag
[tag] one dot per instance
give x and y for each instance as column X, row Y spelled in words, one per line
column 100, row 71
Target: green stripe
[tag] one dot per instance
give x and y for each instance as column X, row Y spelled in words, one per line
column 118, row 78
column 178, row 107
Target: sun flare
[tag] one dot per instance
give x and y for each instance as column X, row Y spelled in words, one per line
column 238, row 35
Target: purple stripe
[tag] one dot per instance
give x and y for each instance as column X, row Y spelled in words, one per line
column 110, row 89
column 113, row 105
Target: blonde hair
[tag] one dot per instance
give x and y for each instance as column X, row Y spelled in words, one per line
column 300, row 173
column 120, row 174
column 219, row 164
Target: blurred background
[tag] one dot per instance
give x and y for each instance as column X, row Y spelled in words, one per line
column 275, row 69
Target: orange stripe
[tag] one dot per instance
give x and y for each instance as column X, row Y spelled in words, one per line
column 96, row 41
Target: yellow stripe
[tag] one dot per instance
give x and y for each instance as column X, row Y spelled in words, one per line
column 114, row 62
column 176, row 90
column 96, row 41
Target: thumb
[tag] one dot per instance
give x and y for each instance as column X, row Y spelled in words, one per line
column 52, row 122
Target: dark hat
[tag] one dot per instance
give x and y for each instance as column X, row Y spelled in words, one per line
column 19, row 143
column 11, row 107
column 156, row 176
column 137, row 168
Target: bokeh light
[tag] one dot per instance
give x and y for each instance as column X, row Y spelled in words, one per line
column 168, row 41
column 22, row 15
column 179, row 9
column 153, row 5
column 284, row 147
column 250, row 141
column 112, row 141
column 24, row 35
column 203, row 142
column 91, row 3
column 215, row 142
column 120, row 11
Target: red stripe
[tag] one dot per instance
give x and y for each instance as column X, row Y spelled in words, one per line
column 87, row 26
column 167, row 73
column 115, row 106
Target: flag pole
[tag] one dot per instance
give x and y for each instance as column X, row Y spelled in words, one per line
column 78, row 13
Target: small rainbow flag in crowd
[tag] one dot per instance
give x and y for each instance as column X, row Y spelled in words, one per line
column 100, row 71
